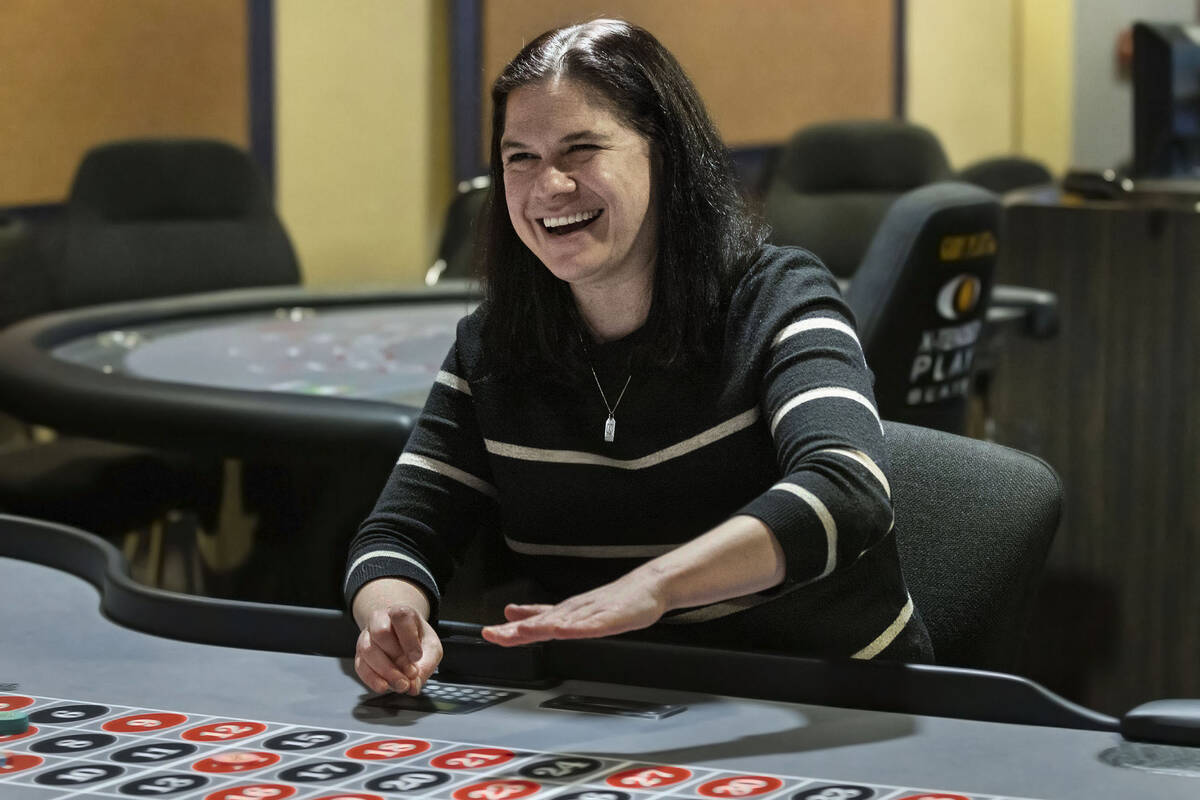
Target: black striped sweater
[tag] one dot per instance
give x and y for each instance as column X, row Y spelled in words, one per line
column 782, row 427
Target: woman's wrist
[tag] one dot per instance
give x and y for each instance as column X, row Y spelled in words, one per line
column 386, row 592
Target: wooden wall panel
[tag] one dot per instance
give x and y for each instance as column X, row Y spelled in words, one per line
column 77, row 72
column 1111, row 404
column 764, row 67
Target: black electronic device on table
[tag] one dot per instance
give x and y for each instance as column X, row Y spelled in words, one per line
column 1166, row 100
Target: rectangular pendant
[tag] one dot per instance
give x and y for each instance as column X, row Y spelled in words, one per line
column 610, row 429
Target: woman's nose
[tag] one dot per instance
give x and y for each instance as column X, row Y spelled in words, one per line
column 553, row 181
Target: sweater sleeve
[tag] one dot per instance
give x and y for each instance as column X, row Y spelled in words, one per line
column 438, row 495
column 833, row 502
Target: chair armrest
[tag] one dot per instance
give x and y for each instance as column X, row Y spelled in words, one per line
column 1035, row 311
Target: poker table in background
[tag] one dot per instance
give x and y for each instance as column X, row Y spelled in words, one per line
column 140, row 670
column 310, row 395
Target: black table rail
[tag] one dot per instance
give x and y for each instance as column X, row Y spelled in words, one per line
column 73, row 398
column 879, row 686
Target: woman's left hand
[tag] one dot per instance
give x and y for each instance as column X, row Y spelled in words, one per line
column 627, row 604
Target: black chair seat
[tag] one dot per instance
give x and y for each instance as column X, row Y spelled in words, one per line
column 974, row 526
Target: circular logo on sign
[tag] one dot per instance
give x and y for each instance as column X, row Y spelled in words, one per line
column 959, row 296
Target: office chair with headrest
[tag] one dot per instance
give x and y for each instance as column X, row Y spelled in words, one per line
column 1006, row 173
column 456, row 250
column 920, row 299
column 146, row 218
column 974, row 525
column 832, row 183
column 160, row 217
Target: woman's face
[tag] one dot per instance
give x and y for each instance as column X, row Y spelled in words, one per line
column 578, row 184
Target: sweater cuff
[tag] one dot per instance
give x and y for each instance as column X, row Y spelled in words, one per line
column 370, row 566
column 798, row 530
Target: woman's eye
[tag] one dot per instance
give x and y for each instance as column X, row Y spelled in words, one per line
column 578, row 147
column 518, row 157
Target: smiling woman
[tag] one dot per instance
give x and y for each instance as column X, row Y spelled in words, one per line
column 577, row 182
column 744, row 500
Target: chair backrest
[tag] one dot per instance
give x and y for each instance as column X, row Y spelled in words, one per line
column 1005, row 173
column 158, row 217
column 832, row 184
column 920, row 299
column 25, row 288
column 456, row 258
column 974, row 525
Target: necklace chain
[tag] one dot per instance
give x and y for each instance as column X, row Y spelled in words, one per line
column 613, row 408
column 610, row 424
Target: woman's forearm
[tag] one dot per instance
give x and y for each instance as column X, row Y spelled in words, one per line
column 738, row 557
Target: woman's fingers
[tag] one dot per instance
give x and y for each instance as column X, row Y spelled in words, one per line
column 514, row 612
column 368, row 676
column 406, row 628
column 397, row 648
column 375, row 667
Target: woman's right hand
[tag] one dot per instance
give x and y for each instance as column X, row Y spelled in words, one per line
column 397, row 648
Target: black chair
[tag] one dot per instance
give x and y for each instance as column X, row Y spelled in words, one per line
column 974, row 525
column 920, row 299
column 25, row 288
column 145, row 218
column 1005, row 173
column 456, row 259
column 832, row 184
column 161, row 217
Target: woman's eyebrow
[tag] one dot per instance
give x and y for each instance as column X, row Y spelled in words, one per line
column 588, row 135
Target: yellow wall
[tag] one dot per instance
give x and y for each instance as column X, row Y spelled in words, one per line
column 362, row 136
column 959, row 72
column 363, row 128
column 992, row 77
column 1046, row 78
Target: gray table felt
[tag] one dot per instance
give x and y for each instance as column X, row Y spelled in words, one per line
column 57, row 645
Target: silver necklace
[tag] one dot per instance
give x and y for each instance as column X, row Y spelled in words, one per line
column 610, row 424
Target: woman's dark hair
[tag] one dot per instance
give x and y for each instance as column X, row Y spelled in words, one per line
column 705, row 232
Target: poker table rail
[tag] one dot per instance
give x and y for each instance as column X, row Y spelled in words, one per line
column 850, row 683
column 73, row 398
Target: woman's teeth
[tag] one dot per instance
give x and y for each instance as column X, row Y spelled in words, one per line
column 572, row 222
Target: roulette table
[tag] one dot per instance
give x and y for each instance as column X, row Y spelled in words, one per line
column 135, row 691
column 309, row 395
